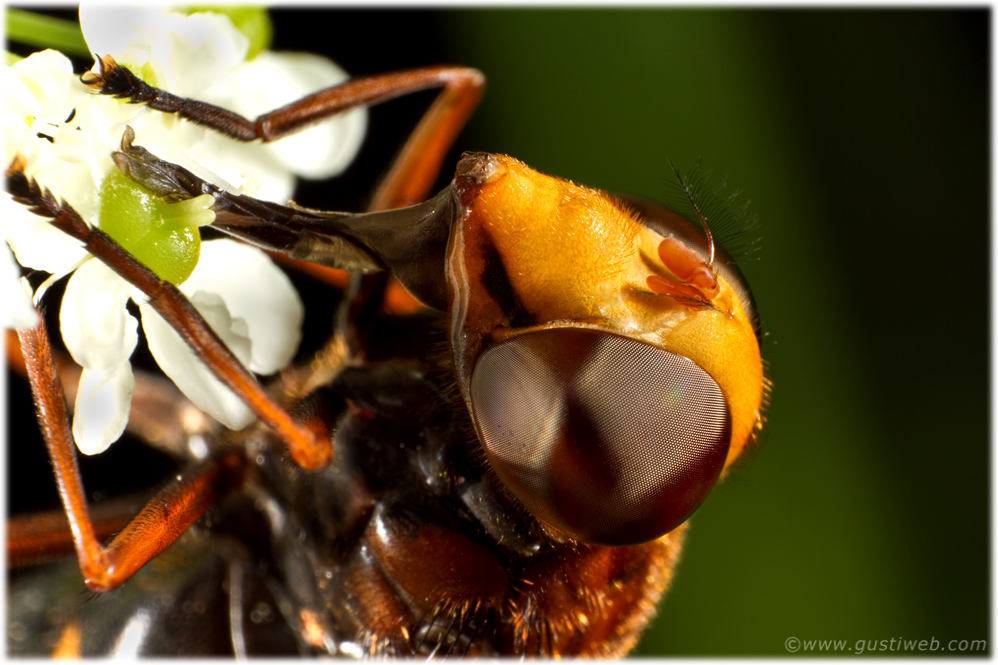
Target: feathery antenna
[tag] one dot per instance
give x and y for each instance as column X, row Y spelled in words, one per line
column 703, row 220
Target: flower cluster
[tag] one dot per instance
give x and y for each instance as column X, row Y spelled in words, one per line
column 65, row 135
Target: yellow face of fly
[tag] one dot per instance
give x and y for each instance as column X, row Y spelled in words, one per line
column 574, row 254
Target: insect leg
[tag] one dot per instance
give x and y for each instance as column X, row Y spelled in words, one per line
column 162, row 520
column 415, row 169
column 160, row 415
column 410, row 241
column 46, row 536
column 308, row 449
column 417, row 166
column 412, row 173
column 410, row 178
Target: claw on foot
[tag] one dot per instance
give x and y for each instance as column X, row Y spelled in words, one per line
column 111, row 79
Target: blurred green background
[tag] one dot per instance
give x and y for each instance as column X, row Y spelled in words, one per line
column 862, row 139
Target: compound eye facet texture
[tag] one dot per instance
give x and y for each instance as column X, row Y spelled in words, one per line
column 610, row 440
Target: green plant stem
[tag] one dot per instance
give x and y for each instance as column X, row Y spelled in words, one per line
column 39, row 30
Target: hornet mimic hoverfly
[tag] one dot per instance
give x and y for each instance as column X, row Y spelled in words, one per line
column 504, row 471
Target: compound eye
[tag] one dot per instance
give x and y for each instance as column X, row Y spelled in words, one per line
column 609, row 440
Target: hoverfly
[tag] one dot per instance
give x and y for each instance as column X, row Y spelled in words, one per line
column 506, row 472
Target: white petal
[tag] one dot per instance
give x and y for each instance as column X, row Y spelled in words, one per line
column 256, row 291
column 41, row 85
column 71, row 181
column 102, row 405
column 97, row 329
column 199, row 49
column 72, row 146
column 35, row 242
column 111, row 29
column 239, row 162
column 273, row 79
column 19, row 103
column 18, row 312
column 18, row 139
column 187, row 371
column 188, row 53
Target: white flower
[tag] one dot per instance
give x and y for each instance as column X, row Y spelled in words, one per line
column 202, row 56
column 260, row 324
column 41, row 92
column 18, row 312
column 66, row 135
column 245, row 298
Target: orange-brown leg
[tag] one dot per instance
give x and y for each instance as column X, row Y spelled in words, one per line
column 407, row 182
column 159, row 414
column 414, row 170
column 307, row 449
column 46, row 536
column 417, row 165
column 162, row 520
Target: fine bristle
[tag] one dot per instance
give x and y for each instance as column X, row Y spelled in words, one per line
column 730, row 223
